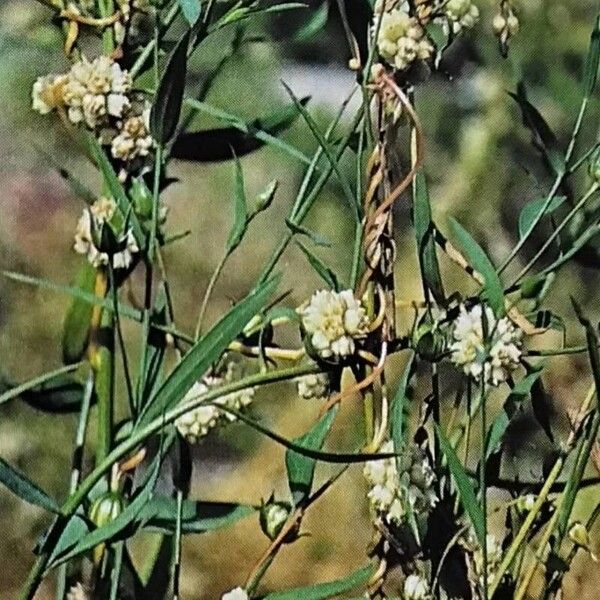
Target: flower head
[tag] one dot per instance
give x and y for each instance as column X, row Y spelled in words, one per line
column 47, row 93
column 401, row 39
column 197, row 423
column 416, row 588
column 461, row 14
column 333, row 321
column 490, row 359
column 393, row 491
column 133, row 139
column 93, row 219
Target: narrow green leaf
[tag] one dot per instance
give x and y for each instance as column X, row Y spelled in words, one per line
column 330, row 457
column 62, row 394
column 322, row 591
column 326, row 274
column 592, row 60
column 400, row 405
column 115, row 187
column 314, row 24
column 424, row 229
column 301, row 469
column 464, row 486
column 478, row 259
column 190, row 10
column 239, row 139
column 166, row 108
column 197, row 517
column 531, row 211
column 25, row 489
column 76, row 328
column 206, row 351
column 75, row 529
column 315, row 238
column 240, row 209
column 543, row 136
column 511, row 405
column 37, row 384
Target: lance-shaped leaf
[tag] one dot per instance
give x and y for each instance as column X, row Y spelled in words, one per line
column 301, row 469
column 477, row 258
column 511, row 405
column 314, row 24
column 530, row 213
column 332, row 589
column 360, row 17
column 196, row 517
column 324, row 272
column 166, row 109
column 206, row 351
column 315, row 238
column 76, row 329
column 424, row 230
column 63, row 394
column 25, row 489
column 465, row 489
column 239, row 138
column 590, row 75
column 543, row 137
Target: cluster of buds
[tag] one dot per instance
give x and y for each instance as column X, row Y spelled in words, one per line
column 333, row 322
column 401, row 486
column 314, row 386
column 196, row 423
column 505, row 25
column 487, row 351
column 98, row 94
column 91, row 237
column 460, row 14
column 401, row 39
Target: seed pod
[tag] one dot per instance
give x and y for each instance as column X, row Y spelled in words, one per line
column 103, row 511
column 273, row 517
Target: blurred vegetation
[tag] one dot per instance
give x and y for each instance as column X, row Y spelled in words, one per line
column 482, row 171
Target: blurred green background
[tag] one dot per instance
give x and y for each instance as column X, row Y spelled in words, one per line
column 481, row 167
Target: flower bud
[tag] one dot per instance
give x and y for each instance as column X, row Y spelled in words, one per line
column 273, row 517
column 104, row 510
column 264, row 199
column 499, row 24
column 429, row 342
column 525, row 503
column 580, row 536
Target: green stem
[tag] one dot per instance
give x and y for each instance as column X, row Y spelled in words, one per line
column 209, row 290
column 138, row 436
column 483, row 489
column 106, row 8
column 37, row 381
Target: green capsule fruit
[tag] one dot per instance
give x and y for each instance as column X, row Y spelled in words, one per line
column 103, row 511
column 273, row 517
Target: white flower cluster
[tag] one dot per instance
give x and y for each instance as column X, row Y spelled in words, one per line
column 492, row 359
column 416, row 588
column 236, row 594
column 314, row 386
column 461, row 14
column 333, row 321
column 401, row 39
column 92, row 220
column 196, row 423
column 98, row 94
column 393, row 492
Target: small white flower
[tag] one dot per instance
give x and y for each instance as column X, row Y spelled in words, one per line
column 47, row 93
column 313, row 386
column 236, row 594
column 334, row 320
column 401, row 39
column 461, row 14
column 94, row 217
column 133, row 140
column 197, row 423
column 392, row 492
column 469, row 350
column 416, row 588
